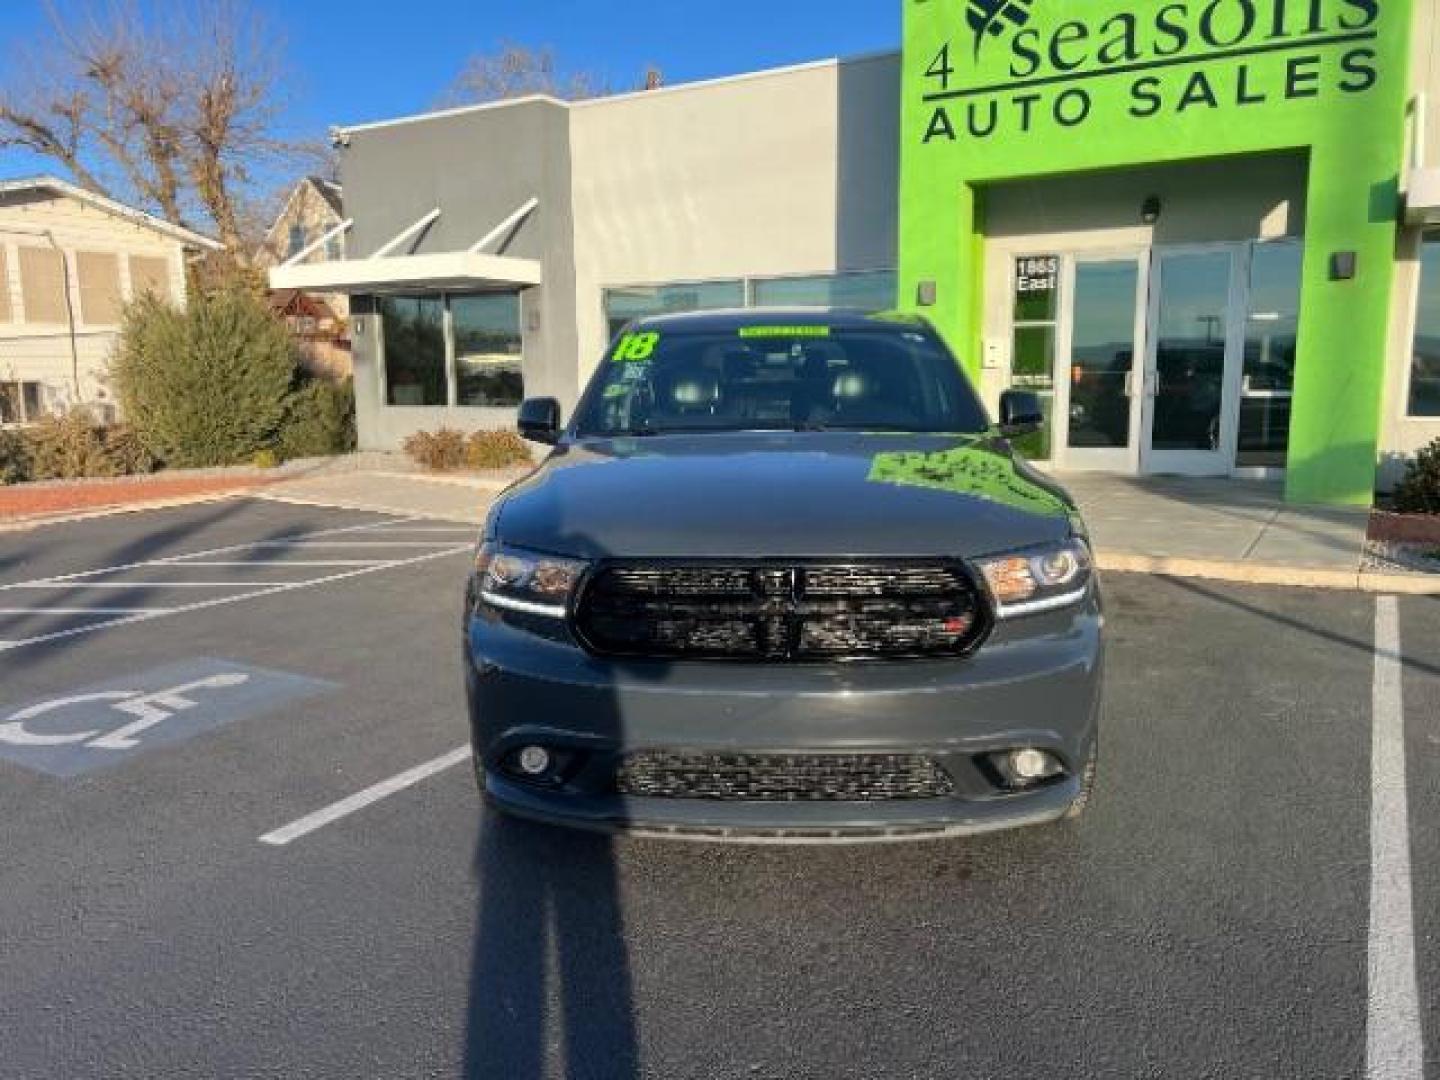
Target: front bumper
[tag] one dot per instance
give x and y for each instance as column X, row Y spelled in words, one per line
column 1035, row 682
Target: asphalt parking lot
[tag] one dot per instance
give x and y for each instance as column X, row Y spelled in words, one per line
column 181, row 692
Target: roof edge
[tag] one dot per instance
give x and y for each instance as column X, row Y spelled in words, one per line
column 585, row 103
column 114, row 206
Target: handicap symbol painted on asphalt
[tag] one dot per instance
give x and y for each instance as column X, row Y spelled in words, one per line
column 88, row 729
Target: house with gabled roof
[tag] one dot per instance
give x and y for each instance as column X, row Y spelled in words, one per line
column 70, row 260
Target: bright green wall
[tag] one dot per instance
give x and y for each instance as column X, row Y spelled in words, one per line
column 1328, row 76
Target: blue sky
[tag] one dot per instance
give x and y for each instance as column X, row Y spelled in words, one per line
column 360, row 60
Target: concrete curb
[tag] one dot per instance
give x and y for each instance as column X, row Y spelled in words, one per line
column 38, row 521
column 1271, row 574
column 478, row 483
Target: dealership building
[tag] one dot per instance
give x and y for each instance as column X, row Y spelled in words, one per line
column 1198, row 229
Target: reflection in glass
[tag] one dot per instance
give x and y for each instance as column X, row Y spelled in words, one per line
column 1190, row 350
column 487, row 350
column 622, row 306
column 1425, row 362
column 867, row 291
column 1270, row 352
column 1033, row 368
column 414, row 341
column 1103, row 353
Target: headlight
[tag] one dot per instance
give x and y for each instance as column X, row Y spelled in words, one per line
column 514, row 580
column 1041, row 579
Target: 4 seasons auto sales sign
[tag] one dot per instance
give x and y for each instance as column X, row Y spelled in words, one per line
column 1010, row 68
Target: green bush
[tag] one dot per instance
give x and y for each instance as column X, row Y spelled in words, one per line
column 71, row 446
column 319, row 420
column 442, row 451
column 496, row 450
column 265, row 459
column 68, row 446
column 207, row 384
column 15, row 461
column 1419, row 492
column 127, row 452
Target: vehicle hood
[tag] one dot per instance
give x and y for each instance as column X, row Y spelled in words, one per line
column 804, row 494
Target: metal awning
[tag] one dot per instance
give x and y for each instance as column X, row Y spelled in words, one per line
column 452, row 270
column 384, row 271
column 1422, row 197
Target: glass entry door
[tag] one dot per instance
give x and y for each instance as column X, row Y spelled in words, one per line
column 1097, row 399
column 1192, row 364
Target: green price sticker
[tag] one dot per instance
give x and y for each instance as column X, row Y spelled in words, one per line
column 635, row 348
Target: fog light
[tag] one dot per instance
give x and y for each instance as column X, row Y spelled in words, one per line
column 1030, row 765
column 534, row 761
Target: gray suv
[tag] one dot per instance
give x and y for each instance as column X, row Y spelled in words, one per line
column 781, row 579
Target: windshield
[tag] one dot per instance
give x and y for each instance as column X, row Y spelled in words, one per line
column 781, row 378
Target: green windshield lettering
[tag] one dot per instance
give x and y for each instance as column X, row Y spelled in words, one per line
column 635, row 348
column 785, row 331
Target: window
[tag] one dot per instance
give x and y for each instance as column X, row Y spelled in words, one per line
column 901, row 378
column 868, row 291
column 334, row 249
column 487, row 350
column 7, row 313
column 1271, row 326
column 20, row 402
column 99, row 277
column 42, row 285
column 150, row 274
column 624, row 305
column 414, row 343
column 297, row 241
column 1032, row 359
column 1425, row 357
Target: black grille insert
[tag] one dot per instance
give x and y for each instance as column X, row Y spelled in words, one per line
column 783, row 777
column 780, row 612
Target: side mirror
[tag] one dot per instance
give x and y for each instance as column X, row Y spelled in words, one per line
column 1020, row 413
column 539, row 420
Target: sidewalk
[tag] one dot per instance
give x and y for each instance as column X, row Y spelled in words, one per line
column 448, row 497
column 1235, row 530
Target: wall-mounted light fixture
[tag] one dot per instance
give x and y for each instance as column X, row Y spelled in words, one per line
column 926, row 294
column 1344, row 265
column 1150, row 210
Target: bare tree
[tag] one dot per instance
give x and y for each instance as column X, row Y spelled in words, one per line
column 176, row 107
column 515, row 70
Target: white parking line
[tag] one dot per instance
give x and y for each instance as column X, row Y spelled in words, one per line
column 361, row 799
column 267, row 563
column 1394, row 1049
column 228, row 549
column 137, row 585
column 84, row 611
column 115, row 617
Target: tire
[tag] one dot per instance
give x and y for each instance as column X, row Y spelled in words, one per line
column 1087, row 784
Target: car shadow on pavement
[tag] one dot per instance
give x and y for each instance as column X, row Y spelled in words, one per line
column 1226, row 598
column 550, row 974
column 551, row 992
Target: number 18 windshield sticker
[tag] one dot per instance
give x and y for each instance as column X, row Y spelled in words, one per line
column 635, row 348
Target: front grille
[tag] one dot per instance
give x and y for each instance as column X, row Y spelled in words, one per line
column 780, row 612
column 784, row 777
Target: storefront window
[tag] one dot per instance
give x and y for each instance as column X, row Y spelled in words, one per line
column 1425, row 359
column 487, row 350
column 622, row 306
column 1032, row 358
column 414, row 336
column 867, row 291
column 1270, row 349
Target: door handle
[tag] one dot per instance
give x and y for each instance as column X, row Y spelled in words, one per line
column 1130, row 383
